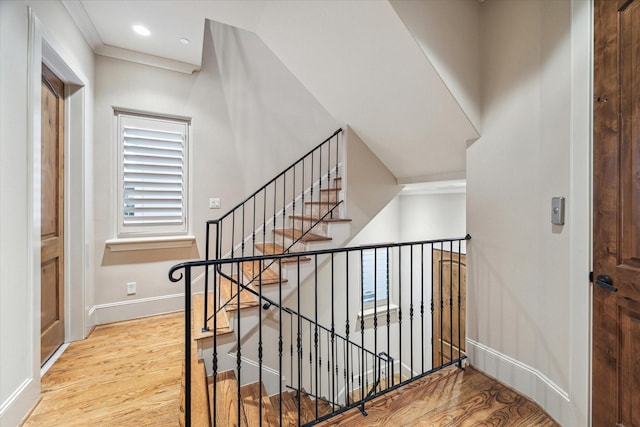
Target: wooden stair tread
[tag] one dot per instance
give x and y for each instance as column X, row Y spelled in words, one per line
column 200, row 403
column 297, row 234
column 322, row 202
column 324, row 408
column 253, row 404
column 317, row 219
column 272, row 248
column 252, row 271
column 307, row 408
column 227, row 400
column 289, row 408
column 222, row 322
column 331, row 189
column 228, row 292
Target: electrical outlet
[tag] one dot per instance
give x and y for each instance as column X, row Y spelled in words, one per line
column 215, row 203
column 131, row 288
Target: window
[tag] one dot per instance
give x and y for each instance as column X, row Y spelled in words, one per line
column 375, row 276
column 152, row 194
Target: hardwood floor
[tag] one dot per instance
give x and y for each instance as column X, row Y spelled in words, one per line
column 129, row 373
column 123, row 374
column 450, row 397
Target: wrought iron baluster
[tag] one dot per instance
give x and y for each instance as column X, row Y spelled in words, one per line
column 333, row 330
column 375, row 315
column 400, row 307
column 440, row 313
column 459, row 304
column 346, row 328
column 422, row 303
column 451, row 300
column 239, row 346
column 411, row 309
column 362, row 368
column 433, row 278
column 259, row 343
column 389, row 319
column 315, row 308
column 280, row 343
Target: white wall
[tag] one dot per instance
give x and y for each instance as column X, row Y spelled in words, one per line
column 432, row 216
column 520, row 266
column 244, row 132
column 447, row 32
column 198, row 96
column 22, row 39
column 274, row 119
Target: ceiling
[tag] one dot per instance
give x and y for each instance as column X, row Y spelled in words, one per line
column 107, row 26
column 357, row 58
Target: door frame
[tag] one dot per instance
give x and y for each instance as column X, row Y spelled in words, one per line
column 43, row 48
column 579, row 213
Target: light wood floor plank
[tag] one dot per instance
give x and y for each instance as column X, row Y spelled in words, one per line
column 123, row 374
column 450, row 398
column 129, row 373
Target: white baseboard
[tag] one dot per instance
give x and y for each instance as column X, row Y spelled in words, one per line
column 525, row 379
column 19, row 403
column 136, row 308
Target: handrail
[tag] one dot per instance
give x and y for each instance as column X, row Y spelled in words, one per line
column 274, row 179
column 343, row 368
column 328, row 251
column 256, row 214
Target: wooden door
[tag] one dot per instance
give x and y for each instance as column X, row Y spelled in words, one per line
column 450, row 282
column 616, row 245
column 52, row 215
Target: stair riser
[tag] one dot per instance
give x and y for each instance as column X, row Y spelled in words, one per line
column 329, row 196
column 319, row 210
column 300, row 224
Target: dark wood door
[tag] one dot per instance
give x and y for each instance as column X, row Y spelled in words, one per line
column 616, row 245
column 52, row 215
column 450, row 286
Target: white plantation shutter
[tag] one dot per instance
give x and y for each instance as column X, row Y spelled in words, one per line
column 153, row 192
column 374, row 275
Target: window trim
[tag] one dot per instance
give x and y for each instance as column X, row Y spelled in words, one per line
column 149, row 231
column 373, row 304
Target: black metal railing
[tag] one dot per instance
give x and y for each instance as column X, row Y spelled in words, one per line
column 364, row 320
column 295, row 200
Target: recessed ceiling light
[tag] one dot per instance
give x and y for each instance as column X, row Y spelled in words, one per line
column 184, row 41
column 142, row 30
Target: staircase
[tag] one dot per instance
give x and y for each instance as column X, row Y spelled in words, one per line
column 314, row 227
column 282, row 334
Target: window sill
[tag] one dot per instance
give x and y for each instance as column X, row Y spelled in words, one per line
column 146, row 243
column 380, row 312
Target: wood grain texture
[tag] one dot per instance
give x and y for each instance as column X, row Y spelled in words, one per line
column 51, row 214
column 129, row 374
column 616, row 213
column 450, row 397
column 229, row 292
column 222, row 321
column 123, row 374
column 226, row 399
column 260, row 276
column 200, row 403
column 272, row 248
column 298, row 234
column 450, row 301
column 256, row 403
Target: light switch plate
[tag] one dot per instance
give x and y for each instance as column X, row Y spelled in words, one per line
column 215, row 203
column 557, row 210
